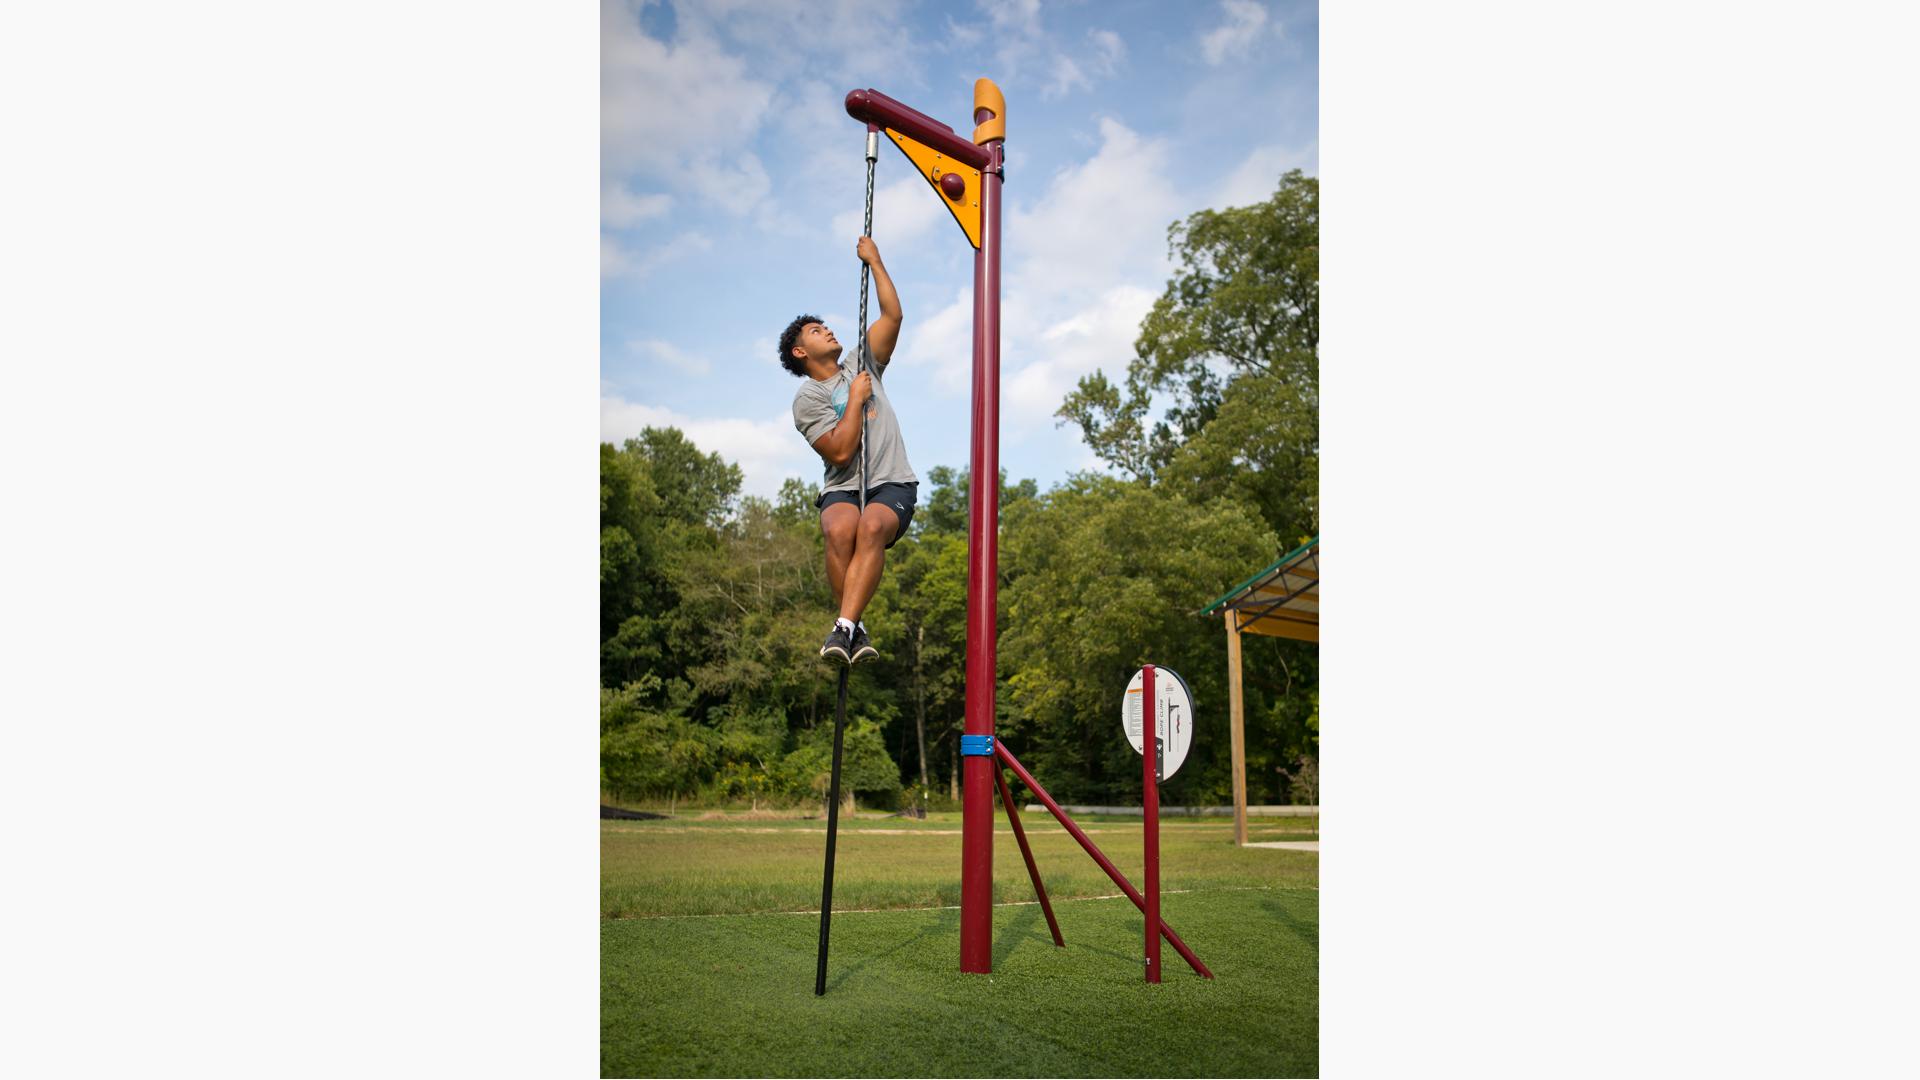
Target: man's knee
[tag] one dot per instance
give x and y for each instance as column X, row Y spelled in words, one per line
column 839, row 530
column 878, row 526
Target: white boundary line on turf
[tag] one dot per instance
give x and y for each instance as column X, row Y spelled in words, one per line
column 627, row 828
column 956, row 907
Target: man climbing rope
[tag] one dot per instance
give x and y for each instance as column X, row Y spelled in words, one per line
column 827, row 411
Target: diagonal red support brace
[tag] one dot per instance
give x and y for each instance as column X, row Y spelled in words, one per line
column 1033, row 871
column 1000, row 750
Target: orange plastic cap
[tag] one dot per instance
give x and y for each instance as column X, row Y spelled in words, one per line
column 989, row 112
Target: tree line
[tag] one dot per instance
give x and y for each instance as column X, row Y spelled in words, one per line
column 713, row 604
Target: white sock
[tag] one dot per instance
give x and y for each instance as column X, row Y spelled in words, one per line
column 844, row 625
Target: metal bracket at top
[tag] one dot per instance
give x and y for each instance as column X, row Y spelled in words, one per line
column 976, row 745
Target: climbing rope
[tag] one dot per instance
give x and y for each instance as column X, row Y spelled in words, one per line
column 840, row 709
column 866, row 230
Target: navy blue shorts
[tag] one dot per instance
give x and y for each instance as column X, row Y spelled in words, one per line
column 900, row 498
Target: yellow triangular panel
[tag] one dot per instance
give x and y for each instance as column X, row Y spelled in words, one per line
column 932, row 165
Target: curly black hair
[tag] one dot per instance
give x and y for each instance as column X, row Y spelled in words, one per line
column 794, row 365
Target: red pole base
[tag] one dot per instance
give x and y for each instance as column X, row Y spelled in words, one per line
column 976, row 865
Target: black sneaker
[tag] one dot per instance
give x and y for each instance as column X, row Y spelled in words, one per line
column 862, row 648
column 838, row 646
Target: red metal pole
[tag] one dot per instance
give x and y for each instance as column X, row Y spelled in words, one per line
column 1066, row 822
column 983, row 567
column 1033, row 869
column 1150, row 810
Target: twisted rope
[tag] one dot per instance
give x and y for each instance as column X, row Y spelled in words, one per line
column 866, row 229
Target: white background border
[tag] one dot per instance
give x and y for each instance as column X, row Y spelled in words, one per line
column 300, row 389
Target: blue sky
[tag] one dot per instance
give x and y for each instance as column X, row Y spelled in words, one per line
column 732, row 183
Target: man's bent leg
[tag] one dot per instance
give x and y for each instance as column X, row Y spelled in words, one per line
column 877, row 527
column 837, row 528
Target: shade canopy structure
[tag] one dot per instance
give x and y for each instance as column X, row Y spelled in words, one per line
column 1282, row 600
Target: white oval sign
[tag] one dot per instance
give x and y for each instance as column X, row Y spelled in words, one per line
column 1174, row 717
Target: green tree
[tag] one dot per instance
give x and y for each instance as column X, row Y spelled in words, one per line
column 1233, row 346
column 865, row 766
column 695, row 488
column 649, row 750
column 756, row 604
column 661, row 505
column 1103, row 576
column 795, row 503
column 946, row 502
column 633, row 585
column 920, row 614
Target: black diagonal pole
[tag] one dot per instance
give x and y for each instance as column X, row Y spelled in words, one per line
column 833, row 824
column 840, row 709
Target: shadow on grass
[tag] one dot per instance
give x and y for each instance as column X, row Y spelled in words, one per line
column 1171, row 961
column 1123, row 957
column 1308, row 932
column 1026, row 927
column 944, row 922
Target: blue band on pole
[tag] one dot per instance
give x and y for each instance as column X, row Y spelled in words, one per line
column 976, row 745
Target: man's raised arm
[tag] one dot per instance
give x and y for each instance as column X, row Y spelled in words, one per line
column 885, row 331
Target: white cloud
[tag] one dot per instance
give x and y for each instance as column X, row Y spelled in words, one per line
column 1013, row 16
column 943, row 344
column 1097, row 224
column 963, row 34
column 1108, row 51
column 1102, row 60
column 666, row 352
column 681, row 113
column 856, row 39
column 621, row 208
column 1097, row 336
column 614, row 259
column 736, row 186
column 1020, row 41
column 1246, row 24
column 902, row 211
column 1041, row 360
column 1013, row 27
column 767, row 451
column 1257, row 177
column 1066, row 76
column 813, row 114
column 619, row 260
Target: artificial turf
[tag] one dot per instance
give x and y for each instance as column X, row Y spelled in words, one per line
column 704, row 973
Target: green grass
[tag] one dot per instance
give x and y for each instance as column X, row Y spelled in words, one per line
column 703, row 973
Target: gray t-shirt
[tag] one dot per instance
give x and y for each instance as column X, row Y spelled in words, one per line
column 819, row 404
